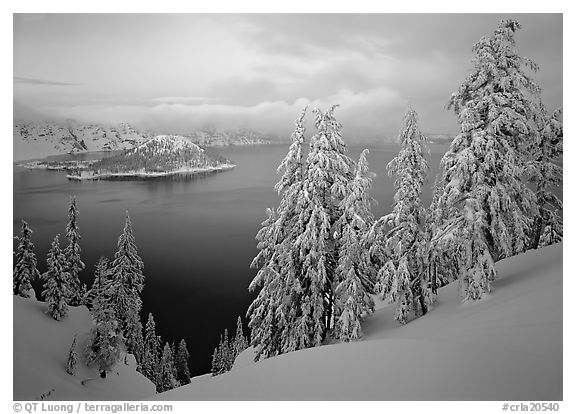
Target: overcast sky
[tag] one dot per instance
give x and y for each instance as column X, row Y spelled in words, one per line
column 175, row 73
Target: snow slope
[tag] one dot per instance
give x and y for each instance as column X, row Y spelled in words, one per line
column 507, row 347
column 41, row 347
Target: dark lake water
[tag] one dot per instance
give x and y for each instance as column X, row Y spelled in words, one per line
column 195, row 236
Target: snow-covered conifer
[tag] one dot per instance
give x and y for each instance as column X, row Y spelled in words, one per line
column 481, row 174
column 56, row 289
column 403, row 277
column 544, row 170
column 106, row 341
column 271, row 313
column 298, row 250
column 133, row 338
column 227, row 352
column 326, row 181
column 351, row 288
column 127, row 264
column 100, row 283
column 74, row 264
column 25, row 270
column 72, row 358
column 240, row 341
column 167, row 380
column 125, row 286
column 150, row 356
column 181, row 361
column 216, row 362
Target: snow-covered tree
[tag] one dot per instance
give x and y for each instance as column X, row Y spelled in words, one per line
column 298, row 248
column 100, row 283
column 25, row 271
column 127, row 264
column 223, row 356
column 74, row 264
column 106, row 342
column 167, row 380
column 181, row 362
column 403, row 277
column 150, row 356
column 227, row 352
column 133, row 336
column 490, row 206
column 240, row 341
column 351, row 286
column 125, row 286
column 216, row 362
column 440, row 264
column 545, row 172
column 72, row 358
column 328, row 173
column 56, row 282
column 272, row 312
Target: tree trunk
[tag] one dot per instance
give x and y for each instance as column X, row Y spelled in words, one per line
column 433, row 276
column 103, row 374
column 537, row 229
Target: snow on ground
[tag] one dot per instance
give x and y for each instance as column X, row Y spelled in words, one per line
column 41, row 347
column 507, row 347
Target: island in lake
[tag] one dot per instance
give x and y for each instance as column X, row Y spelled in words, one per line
column 162, row 156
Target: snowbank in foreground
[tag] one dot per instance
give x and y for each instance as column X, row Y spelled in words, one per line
column 507, row 347
column 41, row 347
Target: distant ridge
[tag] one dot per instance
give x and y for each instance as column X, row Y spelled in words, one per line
column 40, row 139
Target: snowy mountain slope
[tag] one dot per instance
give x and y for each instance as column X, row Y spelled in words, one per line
column 41, row 139
column 34, row 140
column 507, row 347
column 41, row 347
column 213, row 138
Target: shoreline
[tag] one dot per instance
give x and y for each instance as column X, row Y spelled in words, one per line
column 149, row 175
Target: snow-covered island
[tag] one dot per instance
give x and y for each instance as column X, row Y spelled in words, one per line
column 162, row 156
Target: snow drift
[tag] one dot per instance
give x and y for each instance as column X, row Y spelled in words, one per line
column 506, row 347
column 41, row 347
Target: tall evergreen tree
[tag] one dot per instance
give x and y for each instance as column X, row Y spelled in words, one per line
column 100, row 283
column 216, row 361
column 440, row 262
column 403, row 277
column 25, row 270
column 328, row 173
column 490, row 206
column 150, row 356
column 56, row 282
column 133, row 336
column 227, row 352
column 74, row 264
column 167, row 380
column 298, row 251
column 181, row 361
column 545, row 172
column 351, row 286
column 125, row 287
column 240, row 341
column 106, row 341
column 273, row 311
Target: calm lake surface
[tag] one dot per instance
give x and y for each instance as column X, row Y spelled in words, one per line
column 195, row 236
